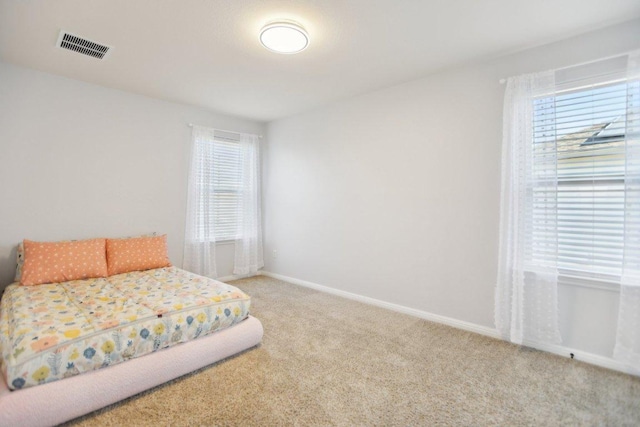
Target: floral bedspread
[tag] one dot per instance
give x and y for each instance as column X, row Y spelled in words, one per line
column 50, row 332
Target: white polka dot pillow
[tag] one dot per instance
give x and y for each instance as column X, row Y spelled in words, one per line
column 136, row 254
column 55, row 262
column 20, row 255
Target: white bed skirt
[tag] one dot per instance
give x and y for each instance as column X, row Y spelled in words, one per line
column 60, row 401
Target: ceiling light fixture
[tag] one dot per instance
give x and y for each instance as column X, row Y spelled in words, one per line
column 284, row 37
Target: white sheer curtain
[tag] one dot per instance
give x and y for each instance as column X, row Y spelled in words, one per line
column 627, row 348
column 249, row 255
column 199, row 240
column 526, row 291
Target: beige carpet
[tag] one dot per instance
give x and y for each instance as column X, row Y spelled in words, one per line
column 326, row 360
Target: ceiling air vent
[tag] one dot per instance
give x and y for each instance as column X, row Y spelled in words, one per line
column 82, row 45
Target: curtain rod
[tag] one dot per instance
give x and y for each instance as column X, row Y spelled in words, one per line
column 580, row 64
column 221, row 130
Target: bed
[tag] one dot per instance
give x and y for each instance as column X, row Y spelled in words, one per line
column 72, row 347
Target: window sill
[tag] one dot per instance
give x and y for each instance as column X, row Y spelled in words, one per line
column 582, row 282
column 219, row 242
column 225, row 242
column 605, row 283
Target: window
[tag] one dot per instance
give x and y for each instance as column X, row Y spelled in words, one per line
column 581, row 133
column 218, row 171
column 226, row 188
column 223, row 201
column 570, row 203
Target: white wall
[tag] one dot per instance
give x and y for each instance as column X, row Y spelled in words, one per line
column 394, row 195
column 79, row 160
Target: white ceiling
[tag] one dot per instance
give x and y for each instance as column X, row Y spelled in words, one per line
column 207, row 53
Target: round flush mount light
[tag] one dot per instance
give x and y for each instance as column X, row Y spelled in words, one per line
column 284, row 37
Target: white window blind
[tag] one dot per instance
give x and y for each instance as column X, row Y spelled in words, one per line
column 227, row 188
column 224, row 177
column 578, row 184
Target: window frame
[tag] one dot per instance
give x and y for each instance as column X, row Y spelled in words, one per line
column 572, row 276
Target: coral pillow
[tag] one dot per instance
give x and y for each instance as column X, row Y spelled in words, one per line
column 54, row 262
column 136, row 254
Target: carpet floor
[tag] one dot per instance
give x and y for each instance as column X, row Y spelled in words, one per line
column 329, row 361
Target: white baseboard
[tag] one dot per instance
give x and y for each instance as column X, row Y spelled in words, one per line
column 591, row 358
column 459, row 324
column 584, row 356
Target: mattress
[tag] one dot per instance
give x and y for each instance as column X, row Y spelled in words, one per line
column 59, row 401
column 50, row 332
